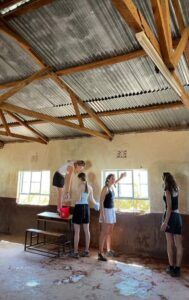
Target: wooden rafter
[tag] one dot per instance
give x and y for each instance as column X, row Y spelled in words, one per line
column 178, row 14
column 162, row 20
column 4, row 121
column 24, row 83
column 27, row 112
column 75, row 105
column 182, row 29
column 181, row 46
column 136, row 110
column 72, row 96
column 184, row 95
column 97, row 64
column 28, row 7
column 85, row 67
column 23, row 137
column 170, row 76
column 63, row 86
column 103, row 62
column 94, row 116
column 23, row 123
column 6, row 29
column 135, row 20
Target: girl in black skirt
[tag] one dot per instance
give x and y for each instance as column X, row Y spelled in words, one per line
column 81, row 214
column 172, row 224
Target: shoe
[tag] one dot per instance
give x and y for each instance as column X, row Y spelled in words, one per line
column 75, row 255
column 85, row 254
column 170, row 270
column 176, row 272
column 101, row 257
column 111, row 253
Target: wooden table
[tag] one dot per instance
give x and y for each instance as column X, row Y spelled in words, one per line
column 51, row 217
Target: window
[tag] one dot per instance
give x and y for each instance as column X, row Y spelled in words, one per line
column 131, row 193
column 33, row 187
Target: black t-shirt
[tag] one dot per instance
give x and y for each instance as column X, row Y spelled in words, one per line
column 174, row 200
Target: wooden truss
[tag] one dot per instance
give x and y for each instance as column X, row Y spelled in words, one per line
column 167, row 50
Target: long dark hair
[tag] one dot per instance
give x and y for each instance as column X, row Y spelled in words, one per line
column 108, row 178
column 170, row 183
column 82, row 177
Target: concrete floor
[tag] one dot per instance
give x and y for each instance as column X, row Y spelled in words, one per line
column 26, row 276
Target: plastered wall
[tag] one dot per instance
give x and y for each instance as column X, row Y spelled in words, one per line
column 156, row 152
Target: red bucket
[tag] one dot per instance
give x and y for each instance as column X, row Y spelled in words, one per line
column 65, row 212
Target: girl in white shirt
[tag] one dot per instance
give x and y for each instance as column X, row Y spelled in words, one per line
column 62, row 180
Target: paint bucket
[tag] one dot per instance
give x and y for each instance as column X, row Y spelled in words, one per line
column 65, row 212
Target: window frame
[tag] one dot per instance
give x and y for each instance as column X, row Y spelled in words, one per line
column 119, row 183
column 20, row 185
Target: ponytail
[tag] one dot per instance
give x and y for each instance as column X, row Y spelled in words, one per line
column 82, row 177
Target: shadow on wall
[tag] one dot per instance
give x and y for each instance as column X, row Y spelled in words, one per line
column 94, row 183
column 88, row 165
column 182, row 181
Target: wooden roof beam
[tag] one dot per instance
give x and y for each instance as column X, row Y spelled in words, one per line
column 135, row 20
column 4, row 121
column 22, row 84
column 162, row 20
column 6, row 29
column 136, row 110
column 181, row 46
column 23, row 123
column 178, row 14
column 72, row 96
column 93, row 115
column 182, row 27
column 103, row 62
column 51, row 119
column 76, row 108
column 23, row 137
column 171, row 77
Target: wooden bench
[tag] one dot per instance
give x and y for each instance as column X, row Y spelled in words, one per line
column 35, row 234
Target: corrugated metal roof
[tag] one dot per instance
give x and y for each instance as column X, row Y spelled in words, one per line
column 128, row 77
column 40, row 94
column 151, row 120
column 14, row 61
column 67, row 33
column 143, row 99
column 53, row 130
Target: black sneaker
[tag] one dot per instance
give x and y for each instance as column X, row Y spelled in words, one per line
column 85, row 254
column 170, row 270
column 101, row 257
column 176, row 272
column 111, row 253
column 74, row 255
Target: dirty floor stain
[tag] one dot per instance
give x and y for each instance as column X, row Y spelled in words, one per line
column 27, row 276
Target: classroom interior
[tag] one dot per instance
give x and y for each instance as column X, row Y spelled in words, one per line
column 104, row 81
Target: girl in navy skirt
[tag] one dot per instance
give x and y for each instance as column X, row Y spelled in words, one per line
column 81, row 214
column 172, row 224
